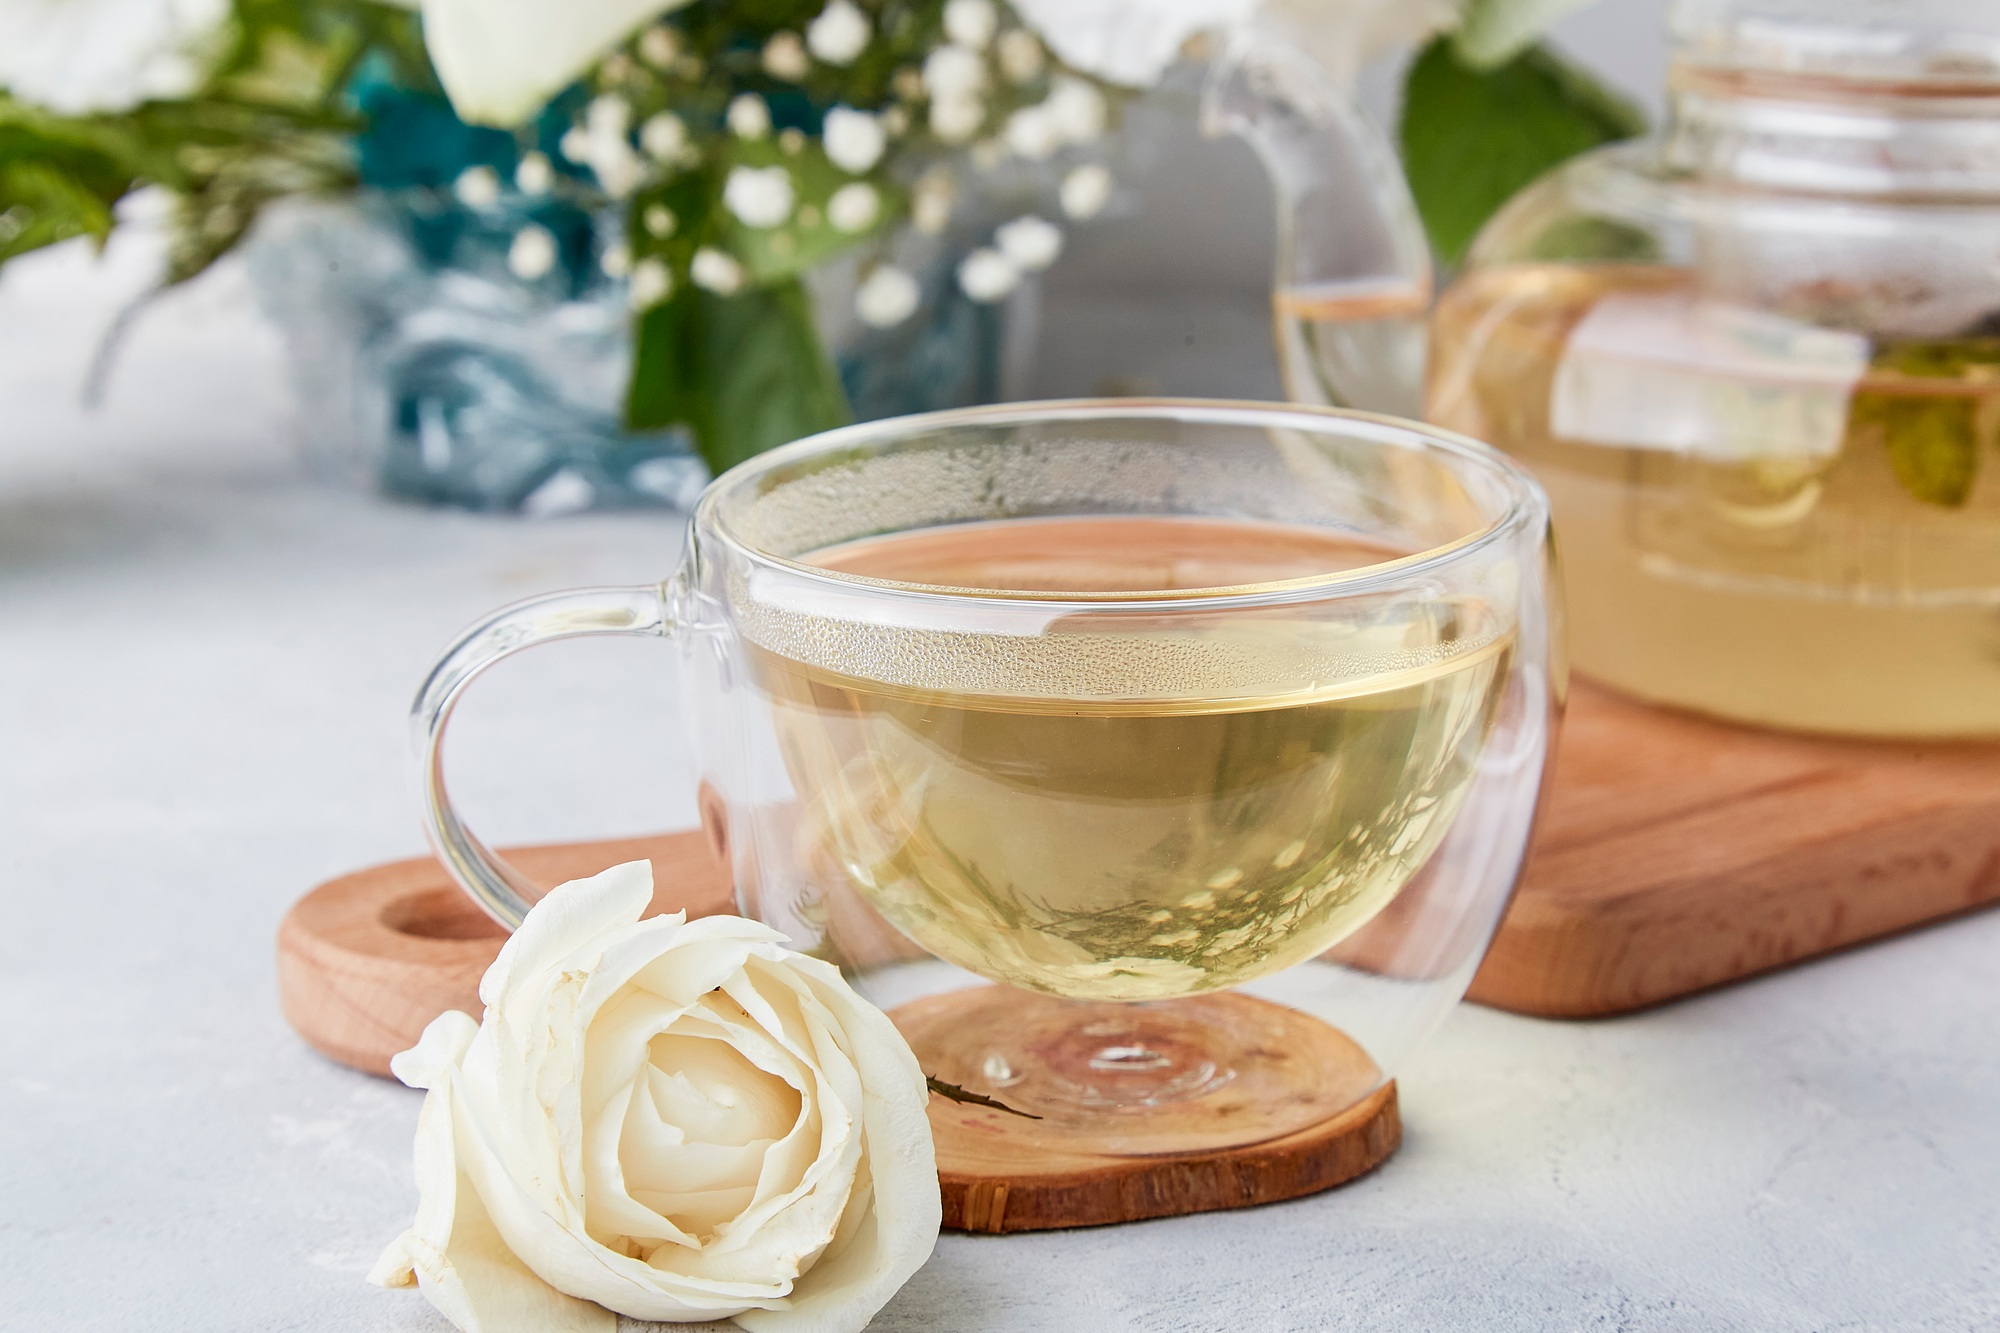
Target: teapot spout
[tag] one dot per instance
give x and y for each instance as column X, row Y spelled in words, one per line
column 1353, row 277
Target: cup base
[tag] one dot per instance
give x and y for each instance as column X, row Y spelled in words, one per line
column 1192, row 1075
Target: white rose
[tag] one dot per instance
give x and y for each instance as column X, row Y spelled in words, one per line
column 888, row 297
column 759, row 196
column 854, row 139
column 840, row 32
column 667, row 1119
column 80, row 56
column 500, row 60
column 1127, row 41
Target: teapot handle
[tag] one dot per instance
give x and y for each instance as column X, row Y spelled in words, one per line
column 1353, row 277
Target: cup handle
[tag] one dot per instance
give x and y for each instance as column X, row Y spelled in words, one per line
column 497, row 887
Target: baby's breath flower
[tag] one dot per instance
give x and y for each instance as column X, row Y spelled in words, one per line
column 908, row 83
column 607, row 116
column 1021, row 56
column 954, row 71
column 532, row 254
column 895, row 120
column 1077, row 108
column 716, row 271
column 956, row 119
column 616, row 261
column 887, row 297
column 970, row 22
column 987, row 275
column 785, row 57
column 1032, row 132
column 759, row 196
column 659, row 220
column 659, row 46
column 854, row 140
column 1086, row 190
column 575, row 146
column 615, row 69
column 749, row 117
column 1030, row 242
column 619, row 170
column 534, row 174
column 840, row 32
column 477, row 187
column 792, row 139
column 854, row 207
column 931, row 202
column 652, row 283
column 664, row 137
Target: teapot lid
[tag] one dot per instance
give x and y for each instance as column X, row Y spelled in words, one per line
column 1921, row 46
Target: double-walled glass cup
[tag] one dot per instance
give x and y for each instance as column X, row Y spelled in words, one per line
column 1117, row 748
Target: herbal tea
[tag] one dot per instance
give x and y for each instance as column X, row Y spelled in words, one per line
column 1814, row 545
column 1167, row 806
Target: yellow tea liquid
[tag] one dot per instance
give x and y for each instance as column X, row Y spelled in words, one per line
column 1201, row 805
column 1855, row 589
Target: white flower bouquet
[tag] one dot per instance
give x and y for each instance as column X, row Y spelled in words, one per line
column 742, row 142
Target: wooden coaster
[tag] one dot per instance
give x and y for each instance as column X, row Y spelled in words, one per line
column 1289, row 1107
column 1677, row 853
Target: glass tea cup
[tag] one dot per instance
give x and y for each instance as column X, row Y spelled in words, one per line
column 1130, row 753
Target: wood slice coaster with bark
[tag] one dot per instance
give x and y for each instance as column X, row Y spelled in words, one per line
column 1287, row 1106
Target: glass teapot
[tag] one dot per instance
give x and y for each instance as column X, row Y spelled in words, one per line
column 1755, row 362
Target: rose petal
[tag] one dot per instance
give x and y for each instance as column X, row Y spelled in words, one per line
column 454, row 1252
column 571, row 918
column 891, row 1240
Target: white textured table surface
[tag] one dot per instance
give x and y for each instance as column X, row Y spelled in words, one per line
column 204, row 662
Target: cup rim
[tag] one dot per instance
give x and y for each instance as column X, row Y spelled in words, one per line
column 1526, row 503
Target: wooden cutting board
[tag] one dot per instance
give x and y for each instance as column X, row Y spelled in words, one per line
column 1676, row 854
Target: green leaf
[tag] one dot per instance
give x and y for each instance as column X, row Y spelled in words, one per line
column 1932, row 439
column 745, row 373
column 1473, row 137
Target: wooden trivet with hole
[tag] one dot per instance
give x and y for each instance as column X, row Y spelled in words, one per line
column 1676, row 854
